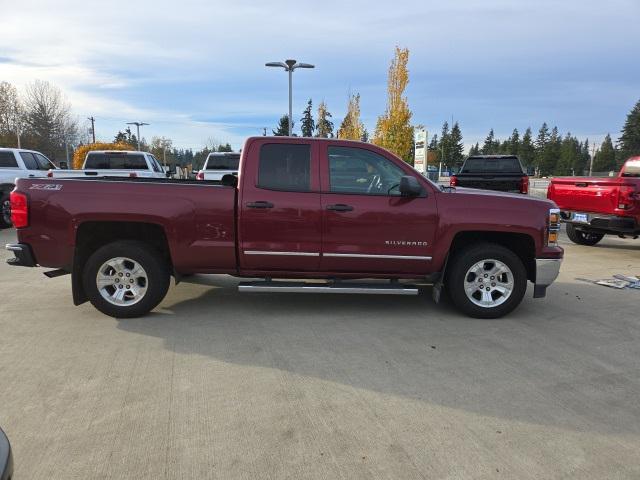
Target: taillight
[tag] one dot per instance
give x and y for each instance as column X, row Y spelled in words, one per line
column 200, row 175
column 453, row 181
column 19, row 209
column 49, row 174
column 524, row 184
column 626, row 197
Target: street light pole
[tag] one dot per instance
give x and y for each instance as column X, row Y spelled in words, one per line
column 138, row 125
column 290, row 66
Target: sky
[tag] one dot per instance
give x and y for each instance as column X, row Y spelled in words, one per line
column 194, row 70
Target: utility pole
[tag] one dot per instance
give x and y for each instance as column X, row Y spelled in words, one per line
column 138, row 125
column 93, row 128
column 593, row 154
column 264, row 134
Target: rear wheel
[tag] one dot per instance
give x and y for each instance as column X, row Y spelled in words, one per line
column 582, row 237
column 5, row 211
column 125, row 279
column 486, row 280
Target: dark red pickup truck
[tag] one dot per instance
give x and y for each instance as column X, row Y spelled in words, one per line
column 593, row 207
column 300, row 208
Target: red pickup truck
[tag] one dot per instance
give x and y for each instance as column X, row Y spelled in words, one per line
column 300, row 208
column 593, row 207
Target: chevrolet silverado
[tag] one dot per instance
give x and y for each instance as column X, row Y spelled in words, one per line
column 349, row 213
column 593, row 207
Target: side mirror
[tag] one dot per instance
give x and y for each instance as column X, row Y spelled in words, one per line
column 229, row 180
column 409, row 186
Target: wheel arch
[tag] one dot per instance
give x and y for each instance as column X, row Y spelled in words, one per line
column 92, row 235
column 521, row 244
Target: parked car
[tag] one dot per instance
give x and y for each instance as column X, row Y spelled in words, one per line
column 219, row 164
column 503, row 173
column 115, row 163
column 6, row 458
column 593, row 207
column 300, row 208
column 18, row 163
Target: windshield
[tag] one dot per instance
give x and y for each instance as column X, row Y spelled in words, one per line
column 492, row 165
column 631, row 168
column 223, row 162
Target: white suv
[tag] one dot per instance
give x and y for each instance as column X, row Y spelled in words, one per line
column 18, row 163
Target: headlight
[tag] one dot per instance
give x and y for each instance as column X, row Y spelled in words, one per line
column 553, row 227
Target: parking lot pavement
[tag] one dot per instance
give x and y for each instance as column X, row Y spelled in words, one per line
column 217, row 384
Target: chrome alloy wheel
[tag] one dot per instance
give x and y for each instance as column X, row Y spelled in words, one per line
column 122, row 281
column 489, row 283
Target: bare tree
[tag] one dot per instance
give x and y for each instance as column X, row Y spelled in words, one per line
column 48, row 118
column 11, row 115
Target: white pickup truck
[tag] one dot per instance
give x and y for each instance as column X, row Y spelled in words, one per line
column 115, row 163
column 18, row 163
column 219, row 164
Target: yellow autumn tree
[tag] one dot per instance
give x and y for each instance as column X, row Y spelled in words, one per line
column 393, row 129
column 352, row 127
column 81, row 152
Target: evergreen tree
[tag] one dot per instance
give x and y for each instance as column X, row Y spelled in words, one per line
column 630, row 139
column 444, row 145
column 581, row 166
column 225, row 148
column 551, row 153
column 307, row 123
column 456, row 145
column 324, row 126
column 541, row 146
column 434, row 149
column 127, row 137
column 514, row 143
column 569, row 153
column 491, row 145
column 365, row 136
column 474, row 150
column 283, row 127
column 526, row 150
column 605, row 158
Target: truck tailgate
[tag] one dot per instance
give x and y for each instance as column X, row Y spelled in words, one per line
column 585, row 194
column 502, row 183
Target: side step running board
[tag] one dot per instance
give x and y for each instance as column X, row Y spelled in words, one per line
column 337, row 287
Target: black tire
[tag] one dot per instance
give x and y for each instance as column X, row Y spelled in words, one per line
column 582, row 237
column 466, row 258
column 156, row 279
column 5, row 211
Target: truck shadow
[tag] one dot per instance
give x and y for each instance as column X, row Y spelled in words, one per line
column 548, row 363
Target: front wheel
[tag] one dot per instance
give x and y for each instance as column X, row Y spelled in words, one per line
column 5, row 211
column 486, row 280
column 582, row 237
column 125, row 279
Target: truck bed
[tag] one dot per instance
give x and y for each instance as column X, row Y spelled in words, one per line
column 198, row 217
column 590, row 194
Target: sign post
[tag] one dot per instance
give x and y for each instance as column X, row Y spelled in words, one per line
column 420, row 155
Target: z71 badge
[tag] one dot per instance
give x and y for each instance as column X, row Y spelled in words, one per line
column 46, row 186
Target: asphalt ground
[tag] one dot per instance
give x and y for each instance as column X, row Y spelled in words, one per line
column 219, row 384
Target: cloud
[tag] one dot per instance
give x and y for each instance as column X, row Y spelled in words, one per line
column 195, row 69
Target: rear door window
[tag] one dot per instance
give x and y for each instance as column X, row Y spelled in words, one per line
column 285, row 167
column 223, row 162
column 8, row 160
column 492, row 165
column 115, row 161
column 29, row 160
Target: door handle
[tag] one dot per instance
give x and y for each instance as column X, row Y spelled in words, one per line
column 260, row 204
column 340, row 207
